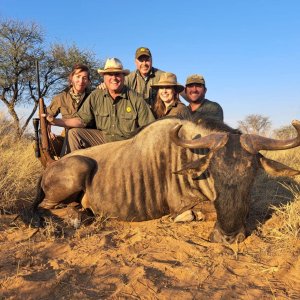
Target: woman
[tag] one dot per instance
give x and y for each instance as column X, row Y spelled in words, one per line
column 69, row 101
column 167, row 103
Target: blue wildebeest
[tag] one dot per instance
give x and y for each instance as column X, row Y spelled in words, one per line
column 167, row 168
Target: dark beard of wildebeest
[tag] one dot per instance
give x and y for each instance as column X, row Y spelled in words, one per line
column 167, row 168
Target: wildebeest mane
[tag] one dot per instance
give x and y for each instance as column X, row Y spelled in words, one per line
column 139, row 129
column 207, row 123
column 218, row 126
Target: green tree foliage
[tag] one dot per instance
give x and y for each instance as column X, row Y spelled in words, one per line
column 255, row 124
column 21, row 44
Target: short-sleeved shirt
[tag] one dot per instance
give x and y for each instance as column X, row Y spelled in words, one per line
column 207, row 109
column 118, row 118
column 142, row 86
column 178, row 110
column 65, row 105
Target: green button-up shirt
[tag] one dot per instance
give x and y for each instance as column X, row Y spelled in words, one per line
column 136, row 82
column 118, row 118
column 207, row 109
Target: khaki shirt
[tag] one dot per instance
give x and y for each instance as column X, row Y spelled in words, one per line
column 64, row 104
column 136, row 82
column 118, row 118
column 179, row 110
column 207, row 109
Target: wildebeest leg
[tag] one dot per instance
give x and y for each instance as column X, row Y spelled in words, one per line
column 39, row 195
column 66, row 177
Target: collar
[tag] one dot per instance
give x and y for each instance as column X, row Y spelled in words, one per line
column 200, row 104
column 122, row 95
column 150, row 74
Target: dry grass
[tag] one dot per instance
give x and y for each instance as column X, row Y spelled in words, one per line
column 19, row 171
column 287, row 218
column 289, row 157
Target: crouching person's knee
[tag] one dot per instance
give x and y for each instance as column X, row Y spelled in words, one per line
column 81, row 138
column 74, row 140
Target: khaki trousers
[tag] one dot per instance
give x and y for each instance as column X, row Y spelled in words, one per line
column 81, row 138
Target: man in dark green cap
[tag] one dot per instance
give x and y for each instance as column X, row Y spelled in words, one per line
column 144, row 76
column 117, row 112
column 199, row 106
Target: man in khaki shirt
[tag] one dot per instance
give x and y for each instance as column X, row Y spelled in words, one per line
column 116, row 111
column 144, row 76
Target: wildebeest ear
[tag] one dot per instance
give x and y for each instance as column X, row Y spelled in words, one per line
column 197, row 167
column 276, row 168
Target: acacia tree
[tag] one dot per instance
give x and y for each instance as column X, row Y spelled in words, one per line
column 21, row 44
column 255, row 124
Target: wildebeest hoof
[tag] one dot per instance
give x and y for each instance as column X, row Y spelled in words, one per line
column 186, row 216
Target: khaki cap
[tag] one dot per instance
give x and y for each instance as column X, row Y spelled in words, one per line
column 195, row 78
column 168, row 79
column 142, row 51
column 113, row 65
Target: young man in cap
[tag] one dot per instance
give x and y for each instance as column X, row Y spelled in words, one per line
column 200, row 107
column 117, row 111
column 144, row 76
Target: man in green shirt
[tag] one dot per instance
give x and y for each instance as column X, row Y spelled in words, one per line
column 144, row 76
column 117, row 112
column 199, row 106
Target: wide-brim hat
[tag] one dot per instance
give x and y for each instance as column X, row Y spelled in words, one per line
column 113, row 65
column 168, row 79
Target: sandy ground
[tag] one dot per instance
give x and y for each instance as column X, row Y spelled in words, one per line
column 157, row 259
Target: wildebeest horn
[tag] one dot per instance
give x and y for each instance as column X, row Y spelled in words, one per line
column 213, row 141
column 254, row 143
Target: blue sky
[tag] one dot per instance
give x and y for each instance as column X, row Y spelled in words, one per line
column 248, row 51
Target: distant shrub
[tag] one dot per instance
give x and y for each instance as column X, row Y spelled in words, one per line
column 285, row 132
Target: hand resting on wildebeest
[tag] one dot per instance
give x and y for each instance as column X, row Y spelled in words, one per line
column 167, row 168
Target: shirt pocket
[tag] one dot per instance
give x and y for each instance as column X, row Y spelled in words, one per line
column 128, row 122
column 102, row 120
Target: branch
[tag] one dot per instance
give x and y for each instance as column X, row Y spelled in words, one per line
column 29, row 118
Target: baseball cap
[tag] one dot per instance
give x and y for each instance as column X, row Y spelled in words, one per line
column 195, row 78
column 142, row 51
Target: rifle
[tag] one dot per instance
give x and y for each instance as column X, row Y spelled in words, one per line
column 42, row 144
